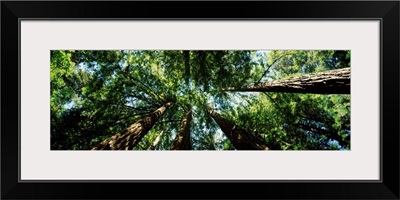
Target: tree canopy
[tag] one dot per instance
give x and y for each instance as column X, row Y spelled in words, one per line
column 196, row 99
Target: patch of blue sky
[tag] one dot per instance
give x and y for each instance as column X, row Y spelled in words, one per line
column 69, row 105
column 332, row 142
column 84, row 67
column 237, row 100
column 123, row 63
column 132, row 101
column 261, row 57
column 173, row 133
column 219, row 137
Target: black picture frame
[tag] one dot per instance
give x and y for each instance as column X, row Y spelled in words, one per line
column 386, row 11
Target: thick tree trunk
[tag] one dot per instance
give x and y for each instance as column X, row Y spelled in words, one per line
column 182, row 140
column 156, row 141
column 241, row 139
column 328, row 82
column 133, row 134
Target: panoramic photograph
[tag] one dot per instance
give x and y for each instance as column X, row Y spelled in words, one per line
column 211, row 100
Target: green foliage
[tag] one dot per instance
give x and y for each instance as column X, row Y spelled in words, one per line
column 290, row 63
column 96, row 94
column 299, row 121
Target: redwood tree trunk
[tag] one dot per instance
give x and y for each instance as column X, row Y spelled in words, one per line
column 328, row 82
column 182, row 140
column 133, row 134
column 240, row 138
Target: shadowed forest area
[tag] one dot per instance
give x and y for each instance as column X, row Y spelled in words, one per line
column 200, row 100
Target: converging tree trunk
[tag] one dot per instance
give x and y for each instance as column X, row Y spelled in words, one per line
column 134, row 133
column 182, row 139
column 328, row 82
column 240, row 138
column 156, row 141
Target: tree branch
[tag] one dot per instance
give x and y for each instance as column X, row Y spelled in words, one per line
column 265, row 72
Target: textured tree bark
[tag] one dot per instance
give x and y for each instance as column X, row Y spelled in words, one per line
column 328, row 82
column 182, row 139
column 134, row 133
column 240, row 138
column 156, row 141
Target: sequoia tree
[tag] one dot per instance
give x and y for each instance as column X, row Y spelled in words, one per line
column 133, row 134
column 240, row 138
column 327, row 82
column 278, row 100
column 182, row 140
